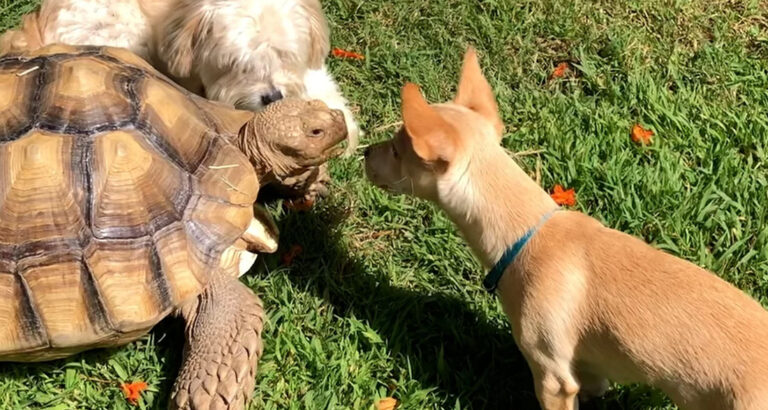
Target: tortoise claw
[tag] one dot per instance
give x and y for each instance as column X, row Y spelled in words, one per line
column 247, row 259
column 236, row 259
column 262, row 234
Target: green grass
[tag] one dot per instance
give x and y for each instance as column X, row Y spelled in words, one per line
column 386, row 299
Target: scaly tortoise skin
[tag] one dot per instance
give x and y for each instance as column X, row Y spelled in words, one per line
column 123, row 198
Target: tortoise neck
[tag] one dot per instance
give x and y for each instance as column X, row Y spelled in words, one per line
column 249, row 142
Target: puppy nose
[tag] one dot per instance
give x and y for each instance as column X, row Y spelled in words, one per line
column 273, row 96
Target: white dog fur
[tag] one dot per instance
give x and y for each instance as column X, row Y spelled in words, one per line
column 236, row 51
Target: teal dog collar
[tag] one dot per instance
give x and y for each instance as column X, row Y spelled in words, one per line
column 491, row 280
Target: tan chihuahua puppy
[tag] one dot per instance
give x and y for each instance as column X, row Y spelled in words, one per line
column 598, row 305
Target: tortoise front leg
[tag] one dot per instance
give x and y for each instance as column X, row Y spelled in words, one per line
column 223, row 347
column 312, row 184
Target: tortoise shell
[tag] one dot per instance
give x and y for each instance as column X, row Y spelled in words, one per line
column 120, row 195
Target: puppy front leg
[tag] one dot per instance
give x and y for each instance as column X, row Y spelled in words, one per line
column 556, row 387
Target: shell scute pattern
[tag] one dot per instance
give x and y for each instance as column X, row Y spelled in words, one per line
column 136, row 191
column 86, row 96
column 170, row 116
column 225, row 175
column 36, row 180
column 117, row 198
column 16, row 103
column 131, row 285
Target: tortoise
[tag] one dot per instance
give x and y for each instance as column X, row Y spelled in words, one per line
column 124, row 199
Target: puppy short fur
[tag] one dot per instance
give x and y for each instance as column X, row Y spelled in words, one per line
column 246, row 53
column 586, row 303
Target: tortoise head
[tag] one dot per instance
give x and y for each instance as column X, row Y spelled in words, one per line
column 292, row 135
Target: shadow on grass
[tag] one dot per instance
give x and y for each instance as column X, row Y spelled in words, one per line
column 98, row 368
column 448, row 346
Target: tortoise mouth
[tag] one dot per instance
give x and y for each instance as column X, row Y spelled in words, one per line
column 340, row 126
column 338, row 146
column 329, row 153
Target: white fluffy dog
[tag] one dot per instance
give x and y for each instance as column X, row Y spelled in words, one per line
column 246, row 53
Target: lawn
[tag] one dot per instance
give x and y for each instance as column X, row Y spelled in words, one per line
column 386, row 299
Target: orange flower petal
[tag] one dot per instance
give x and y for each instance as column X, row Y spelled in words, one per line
column 292, row 253
column 563, row 196
column 387, row 403
column 341, row 53
column 559, row 71
column 301, row 205
column 132, row 391
column 641, row 135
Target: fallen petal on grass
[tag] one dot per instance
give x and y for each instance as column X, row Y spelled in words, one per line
column 560, row 70
column 341, row 53
column 132, row 391
column 387, row 403
column 300, row 205
column 641, row 135
column 292, row 253
column 562, row 196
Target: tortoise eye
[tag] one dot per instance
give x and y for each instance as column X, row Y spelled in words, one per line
column 317, row 132
column 394, row 151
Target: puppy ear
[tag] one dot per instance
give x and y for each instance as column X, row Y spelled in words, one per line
column 182, row 34
column 319, row 33
column 433, row 138
column 476, row 94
